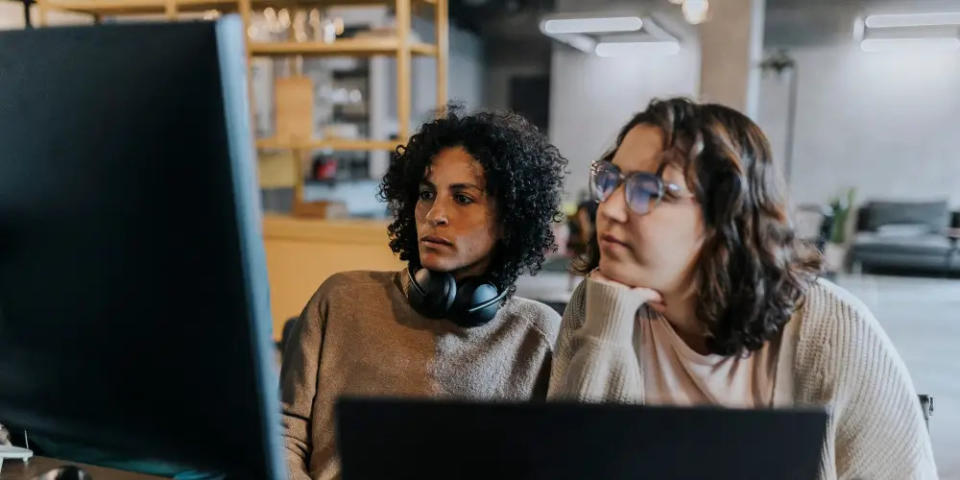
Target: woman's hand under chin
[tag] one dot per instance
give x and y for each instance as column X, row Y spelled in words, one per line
column 651, row 298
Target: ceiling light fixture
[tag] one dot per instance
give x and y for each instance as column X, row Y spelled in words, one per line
column 913, row 20
column 695, row 11
column 557, row 26
column 611, row 35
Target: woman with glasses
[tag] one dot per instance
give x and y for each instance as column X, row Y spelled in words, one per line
column 699, row 293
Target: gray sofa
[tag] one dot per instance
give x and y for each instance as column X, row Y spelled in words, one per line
column 904, row 236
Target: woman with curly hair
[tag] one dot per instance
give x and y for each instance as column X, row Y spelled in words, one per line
column 473, row 199
column 699, row 293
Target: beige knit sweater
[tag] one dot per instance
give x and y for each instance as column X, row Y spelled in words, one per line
column 833, row 354
column 359, row 336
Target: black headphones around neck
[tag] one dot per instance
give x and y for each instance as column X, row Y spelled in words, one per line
column 472, row 303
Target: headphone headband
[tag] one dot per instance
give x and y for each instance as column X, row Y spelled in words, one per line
column 413, row 282
column 492, row 301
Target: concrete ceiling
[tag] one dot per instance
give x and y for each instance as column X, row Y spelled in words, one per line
column 505, row 22
column 817, row 22
column 788, row 22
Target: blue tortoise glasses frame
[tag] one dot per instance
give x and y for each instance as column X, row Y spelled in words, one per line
column 643, row 190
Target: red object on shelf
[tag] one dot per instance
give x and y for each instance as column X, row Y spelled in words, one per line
column 325, row 169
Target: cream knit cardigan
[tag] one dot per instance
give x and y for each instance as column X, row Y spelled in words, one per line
column 833, row 354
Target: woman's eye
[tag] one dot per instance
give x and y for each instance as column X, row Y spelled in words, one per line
column 463, row 199
column 426, row 195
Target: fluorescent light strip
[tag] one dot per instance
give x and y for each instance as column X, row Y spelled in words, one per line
column 932, row 44
column 619, row 49
column 558, row 26
column 913, row 20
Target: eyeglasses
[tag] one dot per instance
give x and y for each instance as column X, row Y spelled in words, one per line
column 643, row 190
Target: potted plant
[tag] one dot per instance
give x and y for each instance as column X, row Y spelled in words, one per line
column 835, row 251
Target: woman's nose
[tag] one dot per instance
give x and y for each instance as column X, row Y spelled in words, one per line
column 615, row 206
column 437, row 215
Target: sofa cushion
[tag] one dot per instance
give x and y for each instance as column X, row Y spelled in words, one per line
column 935, row 215
column 900, row 230
column 927, row 244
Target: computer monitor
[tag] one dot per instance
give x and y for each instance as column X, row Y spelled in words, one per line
column 438, row 440
column 134, row 310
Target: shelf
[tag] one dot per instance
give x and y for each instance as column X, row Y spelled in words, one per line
column 425, row 49
column 333, row 144
column 329, row 3
column 346, row 46
column 144, row 7
column 138, row 7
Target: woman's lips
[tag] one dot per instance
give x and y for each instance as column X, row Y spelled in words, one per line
column 610, row 240
column 435, row 241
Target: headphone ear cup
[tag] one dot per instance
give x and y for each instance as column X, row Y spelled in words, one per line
column 475, row 304
column 432, row 293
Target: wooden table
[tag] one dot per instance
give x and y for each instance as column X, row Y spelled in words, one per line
column 36, row 466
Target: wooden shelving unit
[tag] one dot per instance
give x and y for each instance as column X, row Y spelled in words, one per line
column 348, row 46
column 400, row 46
column 146, row 7
column 103, row 8
column 331, row 144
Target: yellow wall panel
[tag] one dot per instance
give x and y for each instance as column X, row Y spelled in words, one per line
column 302, row 253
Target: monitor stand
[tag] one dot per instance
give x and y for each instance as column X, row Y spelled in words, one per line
column 13, row 453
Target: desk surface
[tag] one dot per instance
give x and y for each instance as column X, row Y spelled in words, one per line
column 17, row 470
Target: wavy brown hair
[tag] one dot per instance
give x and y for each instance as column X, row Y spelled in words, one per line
column 752, row 272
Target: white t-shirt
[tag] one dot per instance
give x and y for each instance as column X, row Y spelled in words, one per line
column 675, row 374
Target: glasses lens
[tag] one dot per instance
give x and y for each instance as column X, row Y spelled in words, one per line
column 605, row 178
column 643, row 190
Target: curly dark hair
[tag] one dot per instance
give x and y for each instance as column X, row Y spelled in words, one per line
column 524, row 174
column 752, row 271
